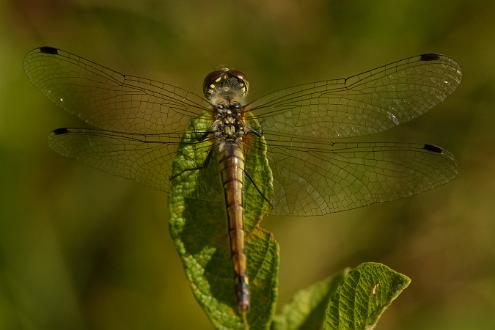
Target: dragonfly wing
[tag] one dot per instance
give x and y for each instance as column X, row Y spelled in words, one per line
column 108, row 99
column 361, row 104
column 314, row 180
column 143, row 158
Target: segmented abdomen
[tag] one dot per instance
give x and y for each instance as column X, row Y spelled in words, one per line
column 232, row 169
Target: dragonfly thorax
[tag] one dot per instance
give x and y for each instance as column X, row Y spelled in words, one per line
column 226, row 89
column 228, row 125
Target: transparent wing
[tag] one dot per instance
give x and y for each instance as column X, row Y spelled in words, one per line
column 361, row 104
column 146, row 158
column 312, row 178
column 108, row 99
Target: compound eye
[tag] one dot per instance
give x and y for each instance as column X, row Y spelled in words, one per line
column 211, row 80
column 238, row 74
column 241, row 79
column 236, row 105
column 226, row 80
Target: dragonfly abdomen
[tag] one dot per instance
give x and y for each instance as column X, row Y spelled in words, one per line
column 232, row 168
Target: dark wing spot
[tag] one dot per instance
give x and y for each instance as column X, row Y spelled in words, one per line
column 60, row 131
column 48, row 50
column 430, row 57
column 433, row 148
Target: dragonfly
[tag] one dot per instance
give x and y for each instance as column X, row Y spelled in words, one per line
column 137, row 124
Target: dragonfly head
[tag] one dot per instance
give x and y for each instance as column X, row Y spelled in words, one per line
column 225, row 85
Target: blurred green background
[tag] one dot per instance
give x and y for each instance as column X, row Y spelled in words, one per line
column 80, row 249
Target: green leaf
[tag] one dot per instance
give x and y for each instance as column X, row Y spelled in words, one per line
column 198, row 226
column 307, row 309
column 363, row 296
column 352, row 299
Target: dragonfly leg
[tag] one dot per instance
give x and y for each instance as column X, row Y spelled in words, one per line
column 255, row 132
column 203, row 166
column 258, row 189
